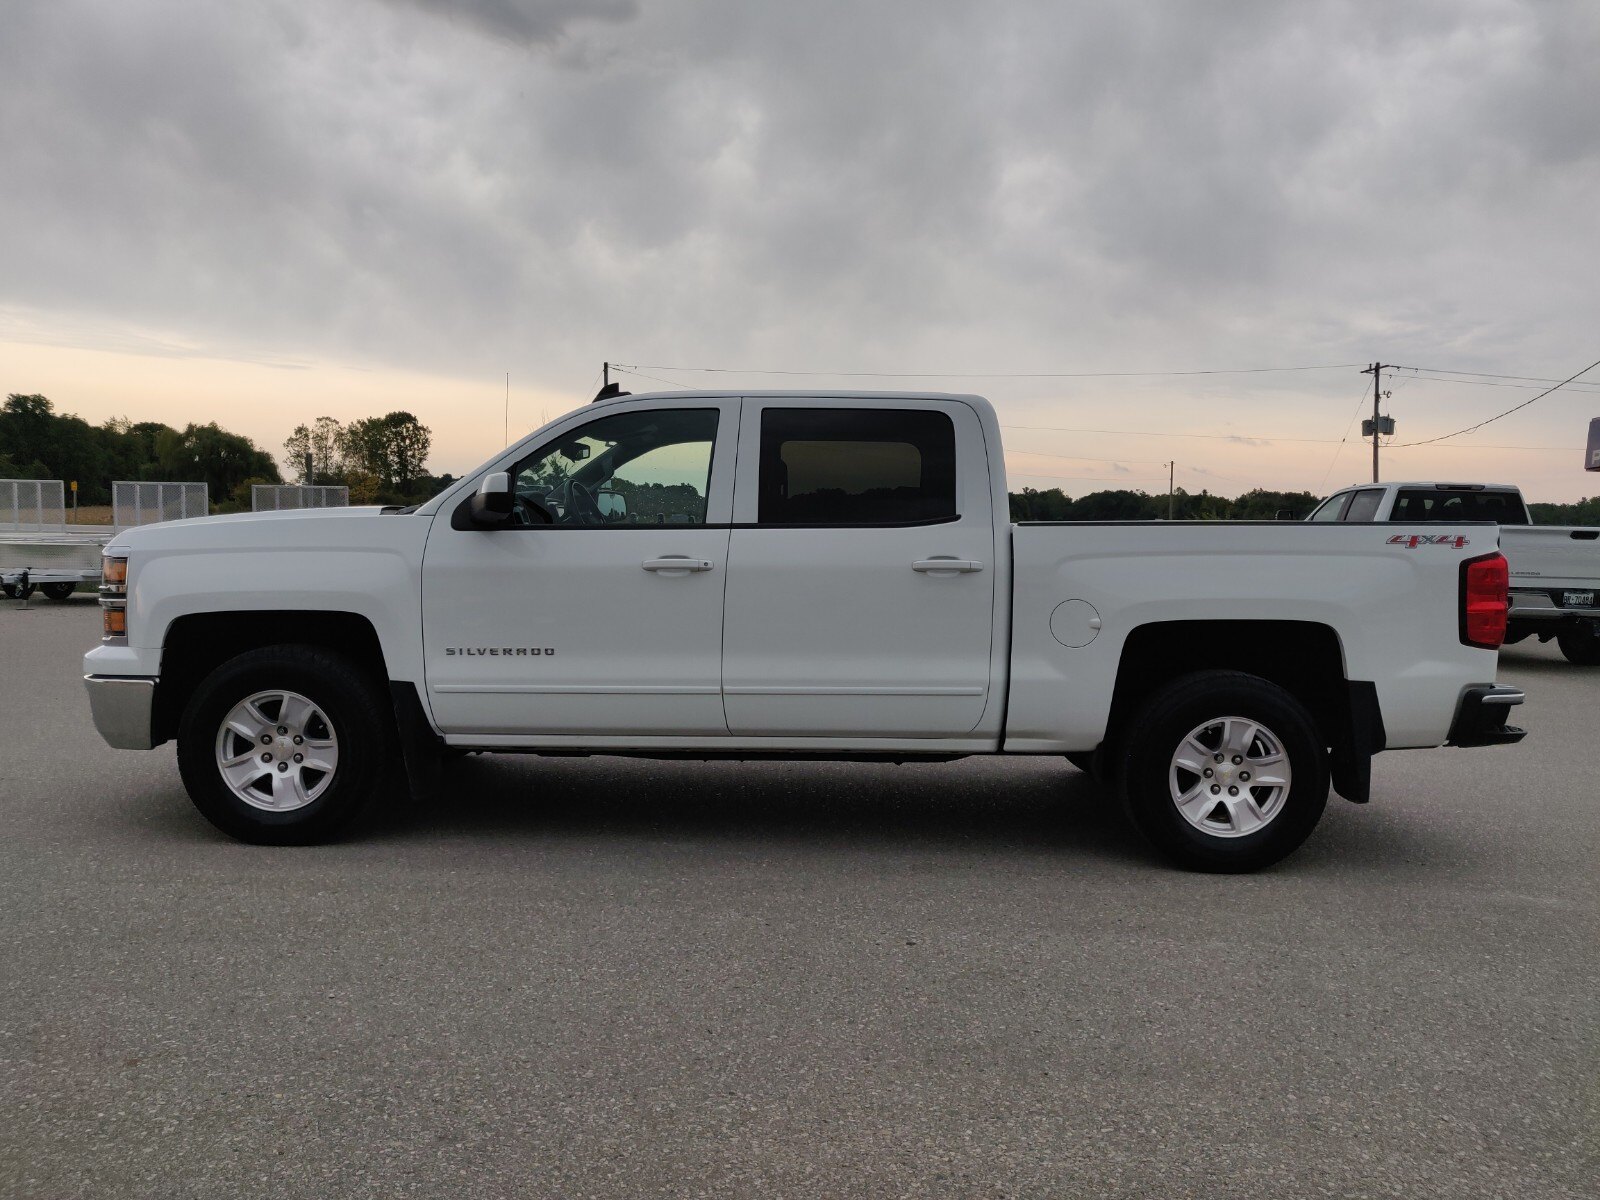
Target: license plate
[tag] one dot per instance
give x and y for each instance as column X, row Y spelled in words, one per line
column 1578, row 599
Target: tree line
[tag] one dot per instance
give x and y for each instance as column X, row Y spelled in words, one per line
column 380, row 459
column 1258, row 504
column 36, row 442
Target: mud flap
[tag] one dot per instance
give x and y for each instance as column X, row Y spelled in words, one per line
column 1350, row 763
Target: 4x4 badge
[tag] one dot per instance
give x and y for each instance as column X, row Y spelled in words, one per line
column 1412, row 540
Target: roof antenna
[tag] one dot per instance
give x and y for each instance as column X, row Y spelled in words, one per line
column 608, row 390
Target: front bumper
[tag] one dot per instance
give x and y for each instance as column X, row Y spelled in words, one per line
column 122, row 709
column 1481, row 716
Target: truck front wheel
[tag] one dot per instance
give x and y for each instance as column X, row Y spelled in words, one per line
column 1224, row 771
column 1581, row 644
column 285, row 745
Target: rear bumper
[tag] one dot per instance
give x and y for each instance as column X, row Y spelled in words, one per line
column 1548, row 604
column 1481, row 716
column 122, row 708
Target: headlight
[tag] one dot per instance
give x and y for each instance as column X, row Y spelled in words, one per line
column 114, row 597
column 113, row 575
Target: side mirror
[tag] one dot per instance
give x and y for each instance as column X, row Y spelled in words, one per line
column 493, row 502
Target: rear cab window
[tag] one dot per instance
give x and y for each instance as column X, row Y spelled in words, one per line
column 1416, row 506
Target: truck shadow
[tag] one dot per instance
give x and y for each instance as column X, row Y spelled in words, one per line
column 1533, row 661
column 979, row 805
column 976, row 807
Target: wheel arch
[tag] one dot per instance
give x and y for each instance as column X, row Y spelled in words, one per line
column 1305, row 658
column 196, row 644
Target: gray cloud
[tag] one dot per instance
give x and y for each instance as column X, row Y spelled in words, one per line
column 528, row 22
column 934, row 185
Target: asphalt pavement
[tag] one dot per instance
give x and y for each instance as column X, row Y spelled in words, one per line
column 618, row 978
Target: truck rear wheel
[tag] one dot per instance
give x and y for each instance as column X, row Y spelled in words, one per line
column 285, row 745
column 1581, row 644
column 1224, row 771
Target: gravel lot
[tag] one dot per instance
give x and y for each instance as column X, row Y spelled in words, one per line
column 614, row 978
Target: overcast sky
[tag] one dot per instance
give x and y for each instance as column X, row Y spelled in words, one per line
column 262, row 211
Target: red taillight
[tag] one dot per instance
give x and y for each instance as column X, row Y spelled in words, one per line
column 1484, row 601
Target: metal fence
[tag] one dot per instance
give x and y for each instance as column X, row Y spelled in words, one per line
column 271, row 497
column 147, row 503
column 32, row 504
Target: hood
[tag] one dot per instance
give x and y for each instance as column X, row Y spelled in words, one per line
column 282, row 528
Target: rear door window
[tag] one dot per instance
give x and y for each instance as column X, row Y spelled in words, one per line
column 1364, row 505
column 850, row 466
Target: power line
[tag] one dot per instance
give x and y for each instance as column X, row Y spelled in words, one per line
column 1089, row 478
column 637, row 367
column 676, row 383
column 1482, row 446
column 1223, row 437
column 1088, row 457
column 1219, row 437
column 1528, row 387
column 1361, row 401
column 1515, row 408
column 1534, row 379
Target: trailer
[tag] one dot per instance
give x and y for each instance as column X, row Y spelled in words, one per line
column 55, row 563
column 40, row 552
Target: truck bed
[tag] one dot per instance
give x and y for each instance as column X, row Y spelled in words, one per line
column 1094, row 583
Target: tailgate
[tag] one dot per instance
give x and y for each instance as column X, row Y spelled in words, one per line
column 1552, row 556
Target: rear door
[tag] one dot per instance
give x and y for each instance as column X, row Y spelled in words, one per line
column 860, row 571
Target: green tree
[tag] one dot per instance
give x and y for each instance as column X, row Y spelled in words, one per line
column 211, row 455
column 323, row 440
column 68, row 446
column 391, row 449
column 1259, row 504
column 1584, row 512
column 1118, row 505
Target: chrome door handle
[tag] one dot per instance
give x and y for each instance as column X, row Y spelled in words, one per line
column 676, row 562
column 954, row 566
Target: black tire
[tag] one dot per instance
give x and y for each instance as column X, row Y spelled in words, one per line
column 15, row 592
column 1581, row 645
column 355, row 706
column 57, row 591
column 1161, row 726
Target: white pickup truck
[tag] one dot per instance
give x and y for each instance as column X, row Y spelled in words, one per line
column 1554, row 569
column 795, row 574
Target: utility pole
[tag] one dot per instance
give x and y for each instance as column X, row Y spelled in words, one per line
column 508, row 408
column 1171, row 468
column 605, row 374
column 1378, row 424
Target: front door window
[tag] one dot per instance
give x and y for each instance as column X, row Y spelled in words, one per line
column 636, row 468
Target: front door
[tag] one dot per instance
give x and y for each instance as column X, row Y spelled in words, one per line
column 608, row 621
column 861, row 571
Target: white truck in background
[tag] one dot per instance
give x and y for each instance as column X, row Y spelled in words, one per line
column 791, row 574
column 1554, row 569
